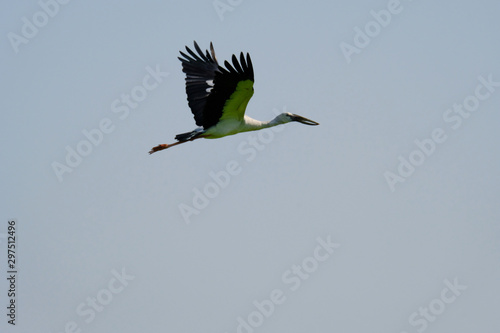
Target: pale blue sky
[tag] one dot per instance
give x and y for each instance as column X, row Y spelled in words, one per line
column 118, row 212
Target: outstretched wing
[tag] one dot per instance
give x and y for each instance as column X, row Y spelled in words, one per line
column 215, row 92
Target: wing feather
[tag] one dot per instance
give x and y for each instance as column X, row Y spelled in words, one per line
column 214, row 91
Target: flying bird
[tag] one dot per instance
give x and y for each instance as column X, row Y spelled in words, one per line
column 218, row 97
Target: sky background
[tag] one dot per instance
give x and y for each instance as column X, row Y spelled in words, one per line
column 119, row 211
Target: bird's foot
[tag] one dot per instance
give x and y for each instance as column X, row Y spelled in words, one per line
column 158, row 148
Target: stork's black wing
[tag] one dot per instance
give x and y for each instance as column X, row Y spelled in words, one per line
column 209, row 86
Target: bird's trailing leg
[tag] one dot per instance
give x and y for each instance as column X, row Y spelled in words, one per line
column 165, row 146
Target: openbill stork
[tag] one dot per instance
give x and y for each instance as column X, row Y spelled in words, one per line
column 218, row 97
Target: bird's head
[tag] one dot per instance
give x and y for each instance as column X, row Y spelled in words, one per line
column 289, row 117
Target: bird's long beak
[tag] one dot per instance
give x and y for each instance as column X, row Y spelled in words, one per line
column 302, row 120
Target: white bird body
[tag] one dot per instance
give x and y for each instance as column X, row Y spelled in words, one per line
column 233, row 126
column 218, row 98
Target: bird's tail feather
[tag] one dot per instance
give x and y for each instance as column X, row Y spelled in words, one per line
column 189, row 135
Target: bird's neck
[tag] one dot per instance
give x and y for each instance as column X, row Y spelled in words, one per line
column 254, row 124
